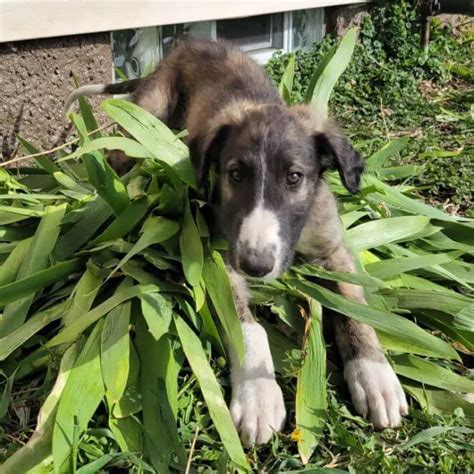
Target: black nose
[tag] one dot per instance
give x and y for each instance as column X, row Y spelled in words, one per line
column 256, row 265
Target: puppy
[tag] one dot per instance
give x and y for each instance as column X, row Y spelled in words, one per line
column 272, row 202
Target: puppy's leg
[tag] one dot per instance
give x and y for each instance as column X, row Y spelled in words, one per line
column 375, row 389
column 257, row 406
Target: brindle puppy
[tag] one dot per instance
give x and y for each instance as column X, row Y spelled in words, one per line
column 272, row 201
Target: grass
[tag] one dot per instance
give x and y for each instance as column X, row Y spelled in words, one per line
column 115, row 304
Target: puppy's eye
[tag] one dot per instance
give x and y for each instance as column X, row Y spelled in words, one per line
column 293, row 178
column 235, row 176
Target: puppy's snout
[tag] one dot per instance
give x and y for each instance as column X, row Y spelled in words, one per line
column 256, row 264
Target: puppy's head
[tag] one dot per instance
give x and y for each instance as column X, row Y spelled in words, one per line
column 269, row 159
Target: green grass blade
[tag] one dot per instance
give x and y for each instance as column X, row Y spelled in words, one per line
column 394, row 266
column 157, row 312
column 131, row 148
column 35, row 456
column 19, row 336
column 383, row 231
column 10, row 267
column 43, row 161
column 91, row 217
column 83, row 296
column 361, row 279
column 332, row 71
column 212, row 393
column 220, row 292
column 126, row 221
column 106, row 182
column 317, row 73
column 36, row 259
column 429, row 373
column 115, row 352
column 81, row 396
column 155, row 230
column 191, row 249
column 162, row 439
column 426, row 436
column 158, row 139
column 128, row 433
column 414, row 338
column 23, row 287
column 286, row 84
column 311, row 385
column 378, row 159
column 450, row 303
column 80, row 325
column 391, row 196
column 440, row 402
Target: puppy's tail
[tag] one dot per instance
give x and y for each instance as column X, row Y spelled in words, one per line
column 125, row 87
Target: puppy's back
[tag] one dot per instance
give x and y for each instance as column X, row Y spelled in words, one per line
column 202, row 76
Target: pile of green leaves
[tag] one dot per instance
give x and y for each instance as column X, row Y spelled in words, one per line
column 115, row 305
column 394, row 87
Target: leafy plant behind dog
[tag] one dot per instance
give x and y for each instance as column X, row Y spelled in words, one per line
column 116, row 286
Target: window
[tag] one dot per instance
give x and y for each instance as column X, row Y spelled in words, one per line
column 136, row 52
column 254, row 33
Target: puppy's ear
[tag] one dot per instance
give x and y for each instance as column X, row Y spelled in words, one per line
column 205, row 150
column 332, row 148
column 336, row 152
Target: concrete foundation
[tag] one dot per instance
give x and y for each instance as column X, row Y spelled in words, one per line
column 36, row 77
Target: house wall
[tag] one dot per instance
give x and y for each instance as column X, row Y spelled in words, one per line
column 340, row 18
column 35, row 79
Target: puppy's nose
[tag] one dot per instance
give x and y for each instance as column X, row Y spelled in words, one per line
column 255, row 264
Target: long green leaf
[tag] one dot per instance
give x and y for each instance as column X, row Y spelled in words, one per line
column 81, row 396
column 157, row 311
column 414, row 338
column 159, row 421
column 11, row 266
column 191, row 249
column 220, row 292
column 126, row 221
column 35, row 260
column 383, row 231
column 332, row 71
column 154, row 231
column 158, row 139
column 19, row 336
column 36, row 456
column 212, row 393
column 378, row 159
column 33, row 283
column 91, row 217
column 311, row 385
column 394, row 266
column 115, row 351
column 286, row 84
column 83, row 296
column 80, row 325
column 429, row 373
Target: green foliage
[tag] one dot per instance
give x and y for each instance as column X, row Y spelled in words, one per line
column 124, row 304
column 382, row 92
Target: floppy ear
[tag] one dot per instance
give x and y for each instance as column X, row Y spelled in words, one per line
column 205, row 150
column 336, row 152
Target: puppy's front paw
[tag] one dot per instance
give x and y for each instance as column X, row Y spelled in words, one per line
column 257, row 409
column 376, row 392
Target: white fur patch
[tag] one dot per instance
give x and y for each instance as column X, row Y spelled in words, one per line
column 376, row 392
column 257, row 406
column 260, row 231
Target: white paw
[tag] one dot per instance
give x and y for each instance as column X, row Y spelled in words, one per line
column 257, row 409
column 376, row 392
